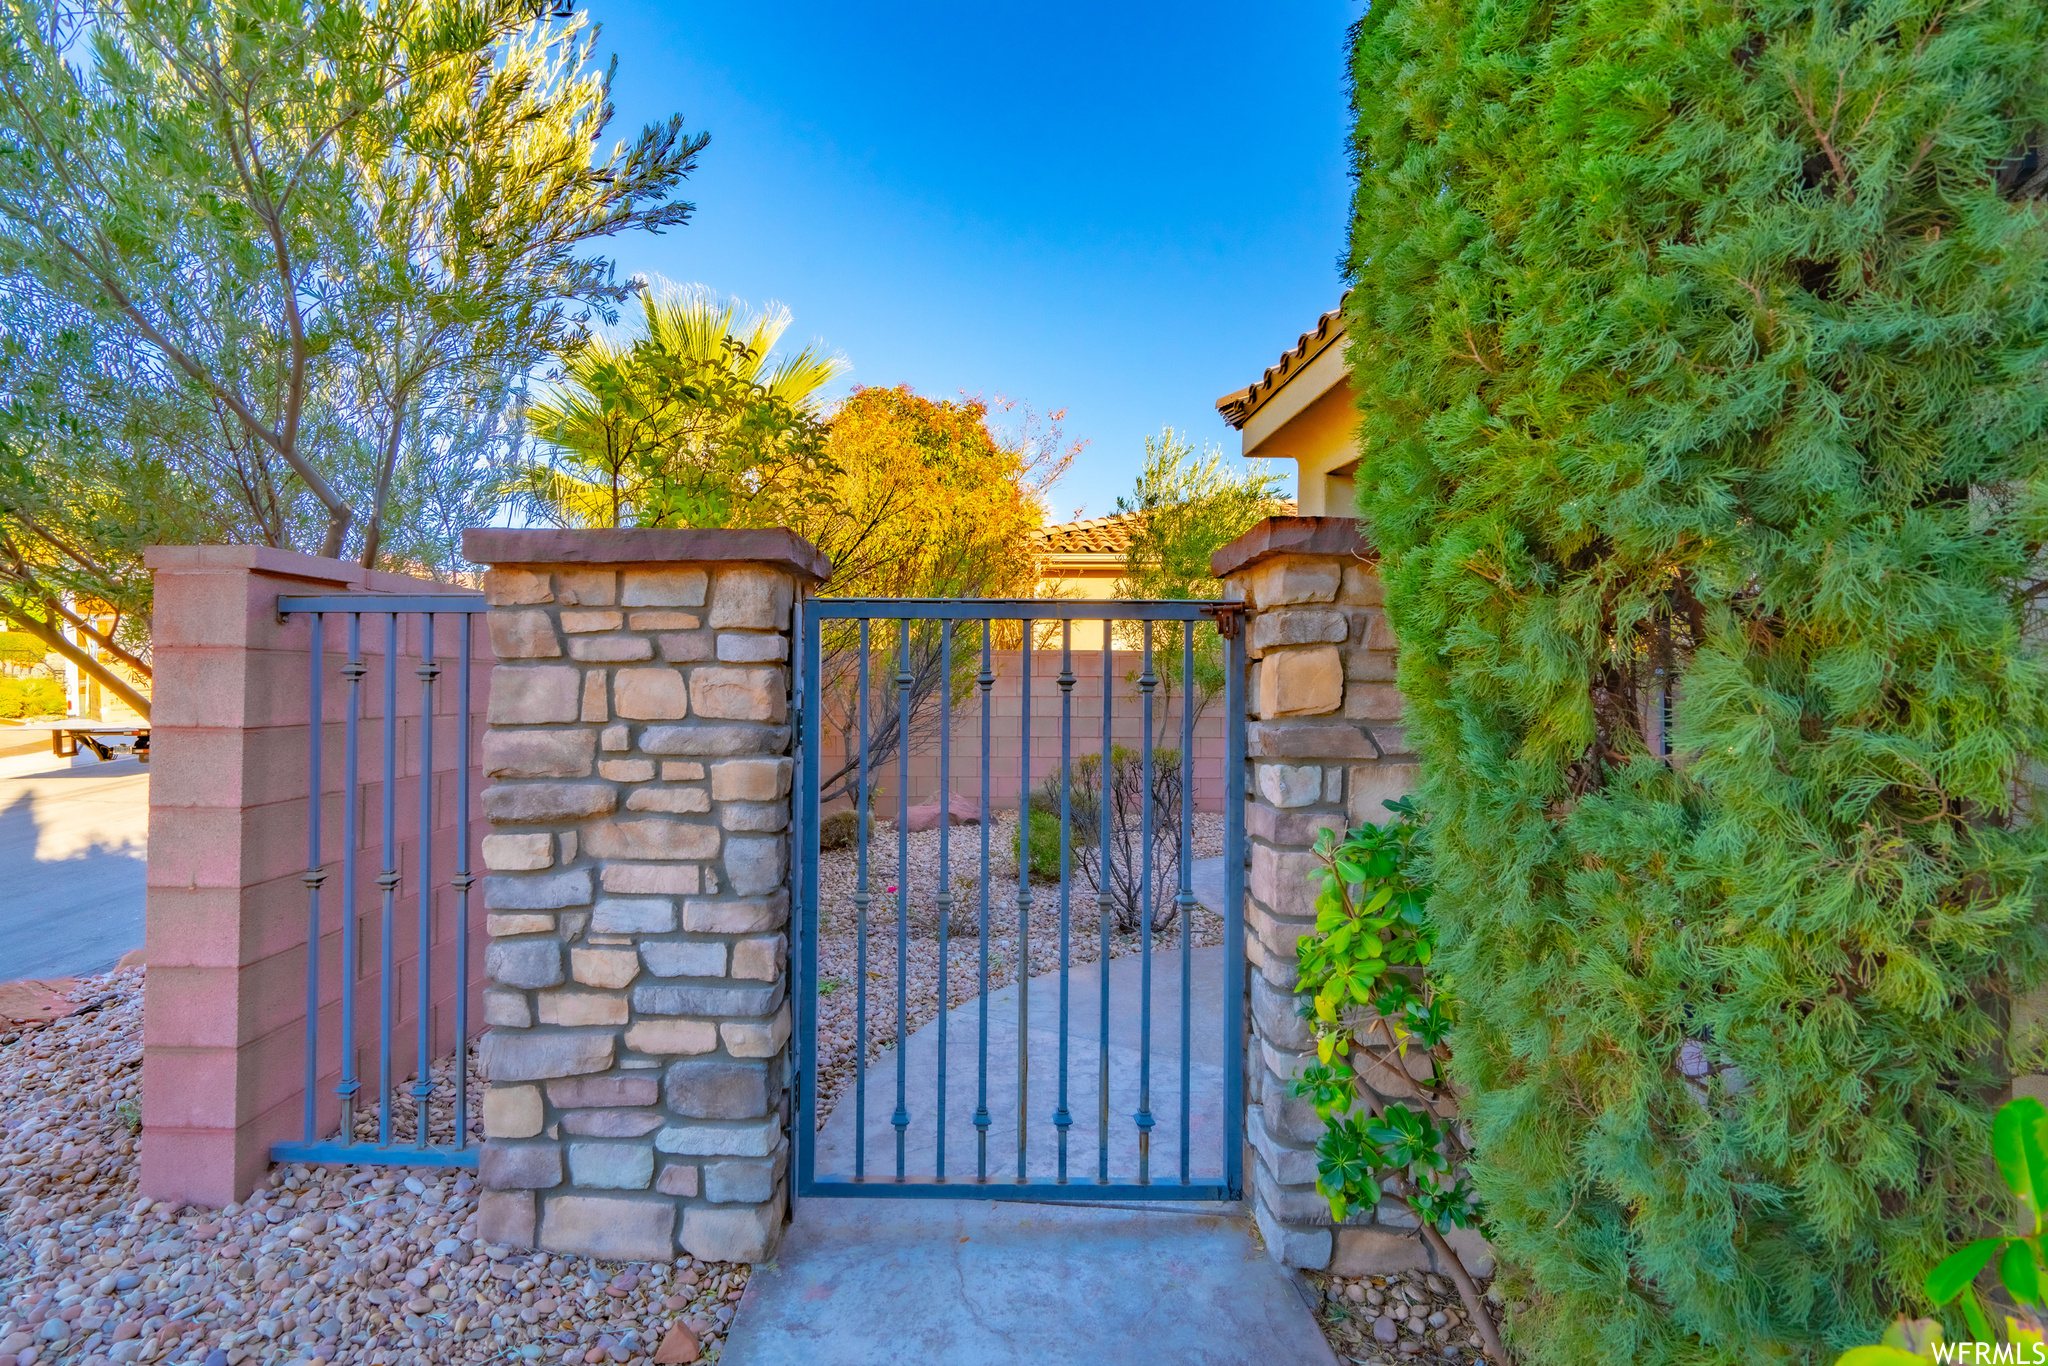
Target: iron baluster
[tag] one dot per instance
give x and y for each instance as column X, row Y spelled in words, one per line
column 1147, row 681
column 1234, row 723
column 351, row 849
column 388, row 878
column 1024, row 909
column 986, row 681
column 461, row 883
column 860, row 940
column 945, row 898
column 1062, row 1118
column 1187, row 883
column 901, row 1118
column 315, row 875
column 807, row 982
column 1105, row 900
column 426, row 672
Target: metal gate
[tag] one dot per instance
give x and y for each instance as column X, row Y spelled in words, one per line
column 402, row 616
column 1088, row 1132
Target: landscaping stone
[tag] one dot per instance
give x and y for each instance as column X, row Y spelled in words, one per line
column 332, row 1259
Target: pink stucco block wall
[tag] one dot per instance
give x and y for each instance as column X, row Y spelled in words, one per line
column 224, row 1034
column 1006, row 728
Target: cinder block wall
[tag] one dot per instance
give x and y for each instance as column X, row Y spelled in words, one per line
column 224, row 1038
column 1324, row 750
column 640, row 750
column 1006, row 709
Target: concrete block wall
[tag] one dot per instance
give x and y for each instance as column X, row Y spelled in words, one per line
column 225, row 1010
column 1006, row 710
column 1324, row 749
column 639, row 749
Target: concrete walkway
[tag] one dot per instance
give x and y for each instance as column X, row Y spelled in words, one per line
column 976, row 1283
column 861, row 1282
column 73, row 837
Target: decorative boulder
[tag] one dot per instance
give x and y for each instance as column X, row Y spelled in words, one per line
column 963, row 812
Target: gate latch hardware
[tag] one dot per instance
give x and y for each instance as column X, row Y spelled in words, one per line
column 1229, row 617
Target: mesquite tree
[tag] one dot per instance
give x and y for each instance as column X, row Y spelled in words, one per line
column 1700, row 349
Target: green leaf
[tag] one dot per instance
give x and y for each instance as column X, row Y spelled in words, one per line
column 2017, row 1269
column 2017, row 1120
column 1974, row 1312
column 1959, row 1269
column 1879, row 1356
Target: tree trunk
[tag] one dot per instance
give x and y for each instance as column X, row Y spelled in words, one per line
column 1475, row 1303
column 99, row 672
column 373, row 534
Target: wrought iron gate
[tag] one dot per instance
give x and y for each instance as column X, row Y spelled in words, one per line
column 394, row 609
column 1114, row 1154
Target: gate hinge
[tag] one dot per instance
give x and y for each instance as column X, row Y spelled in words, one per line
column 796, row 722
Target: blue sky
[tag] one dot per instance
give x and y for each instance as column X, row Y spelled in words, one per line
column 1123, row 210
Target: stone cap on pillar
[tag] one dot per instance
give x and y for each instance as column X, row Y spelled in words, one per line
column 777, row 546
column 1291, row 536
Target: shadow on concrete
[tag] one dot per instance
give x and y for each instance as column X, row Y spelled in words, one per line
column 72, row 847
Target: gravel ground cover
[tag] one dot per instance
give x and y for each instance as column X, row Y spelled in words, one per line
column 839, row 933
column 1393, row 1320
column 349, row 1265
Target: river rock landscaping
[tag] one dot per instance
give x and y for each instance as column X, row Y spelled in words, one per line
column 1411, row 1317
column 348, row 1265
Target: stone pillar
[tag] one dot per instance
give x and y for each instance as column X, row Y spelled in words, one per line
column 1323, row 750
column 640, row 751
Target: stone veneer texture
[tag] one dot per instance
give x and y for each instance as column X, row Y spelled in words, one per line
column 1324, row 749
column 638, row 898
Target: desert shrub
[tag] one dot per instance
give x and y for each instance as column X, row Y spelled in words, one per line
column 31, row 697
column 839, row 829
column 1045, row 844
column 1122, row 872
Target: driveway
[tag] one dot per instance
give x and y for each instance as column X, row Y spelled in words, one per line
column 72, row 843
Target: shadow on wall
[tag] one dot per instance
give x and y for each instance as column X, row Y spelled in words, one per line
column 72, row 860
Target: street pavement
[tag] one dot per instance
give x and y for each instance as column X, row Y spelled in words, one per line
column 73, row 837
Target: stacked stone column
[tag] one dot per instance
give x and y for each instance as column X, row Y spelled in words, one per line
column 1324, row 749
column 639, row 749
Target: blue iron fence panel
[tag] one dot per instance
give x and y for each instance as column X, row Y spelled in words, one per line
column 860, row 628
column 345, row 1148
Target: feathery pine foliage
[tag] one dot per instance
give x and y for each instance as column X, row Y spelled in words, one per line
column 1707, row 340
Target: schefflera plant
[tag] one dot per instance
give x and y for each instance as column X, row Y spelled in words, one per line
column 1381, row 1021
column 2019, row 1145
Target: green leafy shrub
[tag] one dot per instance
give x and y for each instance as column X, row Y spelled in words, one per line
column 1698, row 349
column 1377, row 1010
column 1045, row 844
column 2019, row 1143
column 31, row 697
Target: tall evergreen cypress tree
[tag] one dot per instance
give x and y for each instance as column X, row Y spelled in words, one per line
column 1709, row 341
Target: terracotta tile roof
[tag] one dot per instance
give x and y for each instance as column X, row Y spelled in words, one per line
column 1238, row 407
column 1109, row 535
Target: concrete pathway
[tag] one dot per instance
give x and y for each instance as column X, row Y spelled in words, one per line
column 976, row 1283
column 73, row 836
column 860, row 1282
